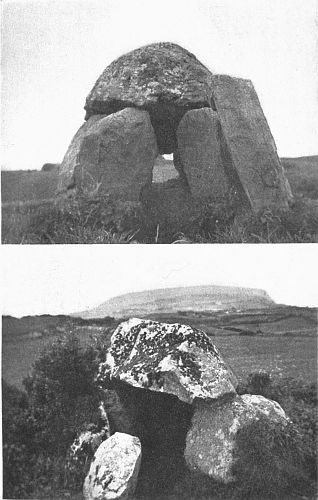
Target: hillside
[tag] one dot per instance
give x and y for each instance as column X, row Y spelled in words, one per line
column 172, row 300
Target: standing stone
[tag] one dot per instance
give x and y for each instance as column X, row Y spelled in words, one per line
column 199, row 147
column 250, row 143
column 171, row 358
column 211, row 440
column 111, row 154
column 114, row 469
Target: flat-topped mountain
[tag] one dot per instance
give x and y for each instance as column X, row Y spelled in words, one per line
column 171, row 300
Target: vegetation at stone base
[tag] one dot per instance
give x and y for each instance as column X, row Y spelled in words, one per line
column 102, row 220
column 60, row 400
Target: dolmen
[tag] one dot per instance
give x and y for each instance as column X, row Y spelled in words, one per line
column 171, row 403
column 160, row 99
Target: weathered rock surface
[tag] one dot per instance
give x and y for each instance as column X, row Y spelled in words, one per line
column 199, row 145
column 250, row 143
column 162, row 78
column 211, row 439
column 111, row 154
column 171, row 358
column 156, row 73
column 114, row 470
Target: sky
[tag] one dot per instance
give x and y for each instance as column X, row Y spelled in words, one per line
column 53, row 52
column 72, row 278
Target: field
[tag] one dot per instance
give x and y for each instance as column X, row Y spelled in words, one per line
column 29, row 214
column 287, row 347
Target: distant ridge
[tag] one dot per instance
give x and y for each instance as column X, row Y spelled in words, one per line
column 193, row 298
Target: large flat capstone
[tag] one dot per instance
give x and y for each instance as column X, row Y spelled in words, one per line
column 171, row 358
column 210, row 441
column 114, row 469
column 250, row 143
column 111, row 154
column 199, row 146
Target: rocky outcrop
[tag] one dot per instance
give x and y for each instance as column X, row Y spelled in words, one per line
column 250, row 143
column 199, row 147
column 114, row 469
column 210, row 442
column 171, row 358
column 111, row 154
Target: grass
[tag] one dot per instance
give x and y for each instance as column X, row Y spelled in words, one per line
column 105, row 221
column 30, row 215
column 27, row 185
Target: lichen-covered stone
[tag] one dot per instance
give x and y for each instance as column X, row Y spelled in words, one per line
column 114, row 469
column 211, row 439
column 156, row 73
column 171, row 358
column 250, row 143
column 111, row 154
column 162, row 78
column 199, row 146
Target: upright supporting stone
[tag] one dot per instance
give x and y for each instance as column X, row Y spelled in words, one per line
column 250, row 143
column 211, row 440
column 199, row 148
column 111, row 154
column 114, row 469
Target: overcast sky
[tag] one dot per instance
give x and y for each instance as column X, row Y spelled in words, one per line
column 53, row 52
column 65, row 279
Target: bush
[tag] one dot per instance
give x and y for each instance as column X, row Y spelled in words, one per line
column 39, row 426
column 299, row 400
column 270, row 461
column 61, row 393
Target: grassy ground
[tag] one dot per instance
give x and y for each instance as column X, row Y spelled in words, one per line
column 30, row 215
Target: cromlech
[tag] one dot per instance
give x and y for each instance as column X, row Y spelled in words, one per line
column 158, row 100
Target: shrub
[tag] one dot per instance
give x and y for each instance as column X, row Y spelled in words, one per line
column 39, row 426
column 269, row 461
column 299, row 400
column 62, row 394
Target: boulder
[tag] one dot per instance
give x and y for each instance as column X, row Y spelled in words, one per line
column 250, row 143
column 163, row 78
column 111, row 154
column 171, row 358
column 114, row 469
column 199, row 147
column 210, row 442
column 50, row 167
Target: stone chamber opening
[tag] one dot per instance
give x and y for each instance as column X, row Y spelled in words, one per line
column 161, row 422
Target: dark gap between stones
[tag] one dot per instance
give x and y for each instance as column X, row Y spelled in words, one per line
column 161, row 421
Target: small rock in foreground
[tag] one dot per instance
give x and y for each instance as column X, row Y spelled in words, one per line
column 114, row 470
